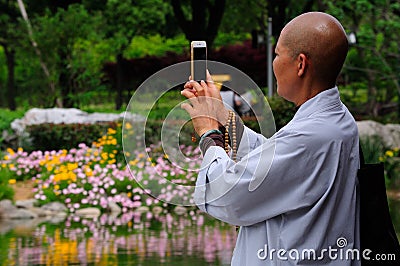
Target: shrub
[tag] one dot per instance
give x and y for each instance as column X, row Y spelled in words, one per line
column 282, row 110
column 48, row 137
column 6, row 192
column 391, row 160
column 372, row 149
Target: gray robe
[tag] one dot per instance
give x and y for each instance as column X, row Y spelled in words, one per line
column 295, row 195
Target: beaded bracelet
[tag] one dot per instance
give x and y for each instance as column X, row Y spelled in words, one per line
column 209, row 132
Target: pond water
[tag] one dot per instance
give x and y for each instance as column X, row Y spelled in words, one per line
column 130, row 239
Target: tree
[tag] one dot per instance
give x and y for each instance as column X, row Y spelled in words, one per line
column 124, row 19
column 201, row 21
column 56, row 36
column 8, row 38
column 373, row 60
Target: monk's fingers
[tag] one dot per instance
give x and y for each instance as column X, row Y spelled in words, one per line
column 188, row 85
column 208, row 77
column 188, row 108
column 199, row 87
column 189, row 93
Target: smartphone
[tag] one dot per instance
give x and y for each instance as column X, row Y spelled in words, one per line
column 198, row 60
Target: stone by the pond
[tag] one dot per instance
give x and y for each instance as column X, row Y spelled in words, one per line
column 142, row 209
column 157, row 209
column 88, row 212
column 19, row 214
column 6, row 205
column 180, row 210
column 27, row 204
column 55, row 207
column 41, row 212
column 113, row 207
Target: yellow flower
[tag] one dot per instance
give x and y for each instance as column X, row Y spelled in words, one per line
column 20, row 149
column 10, row 151
column 389, row 153
column 72, row 166
column 12, row 181
column 134, row 162
column 6, row 157
column 128, row 125
column 3, row 165
column 104, row 155
column 56, row 187
column 111, row 131
column 89, row 172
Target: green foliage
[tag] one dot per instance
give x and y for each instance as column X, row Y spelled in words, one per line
column 7, row 116
column 155, row 45
column 391, row 160
column 282, row 110
column 372, row 149
column 125, row 20
column 6, row 192
column 66, row 54
column 48, row 137
column 373, row 60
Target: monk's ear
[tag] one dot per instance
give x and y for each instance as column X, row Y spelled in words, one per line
column 302, row 64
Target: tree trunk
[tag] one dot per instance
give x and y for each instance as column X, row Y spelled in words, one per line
column 119, row 82
column 199, row 28
column 11, row 93
column 64, row 80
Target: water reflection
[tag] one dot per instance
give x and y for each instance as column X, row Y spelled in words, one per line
column 130, row 239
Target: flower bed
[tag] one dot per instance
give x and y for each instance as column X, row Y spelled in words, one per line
column 96, row 175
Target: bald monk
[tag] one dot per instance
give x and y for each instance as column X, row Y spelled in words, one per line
column 294, row 195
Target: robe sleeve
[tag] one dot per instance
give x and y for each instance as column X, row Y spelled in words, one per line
column 267, row 180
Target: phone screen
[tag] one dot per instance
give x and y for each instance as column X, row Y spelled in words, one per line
column 199, row 63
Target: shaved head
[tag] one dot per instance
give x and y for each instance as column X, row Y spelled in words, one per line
column 322, row 39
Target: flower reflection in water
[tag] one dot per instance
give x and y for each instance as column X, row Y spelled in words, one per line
column 130, row 239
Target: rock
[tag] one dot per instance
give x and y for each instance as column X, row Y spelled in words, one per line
column 142, row 209
column 26, row 204
column 40, row 212
column 19, row 214
column 157, row 210
column 6, row 205
column 37, row 116
column 114, row 208
column 389, row 134
column 88, row 212
column 55, row 207
column 58, row 218
column 180, row 210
